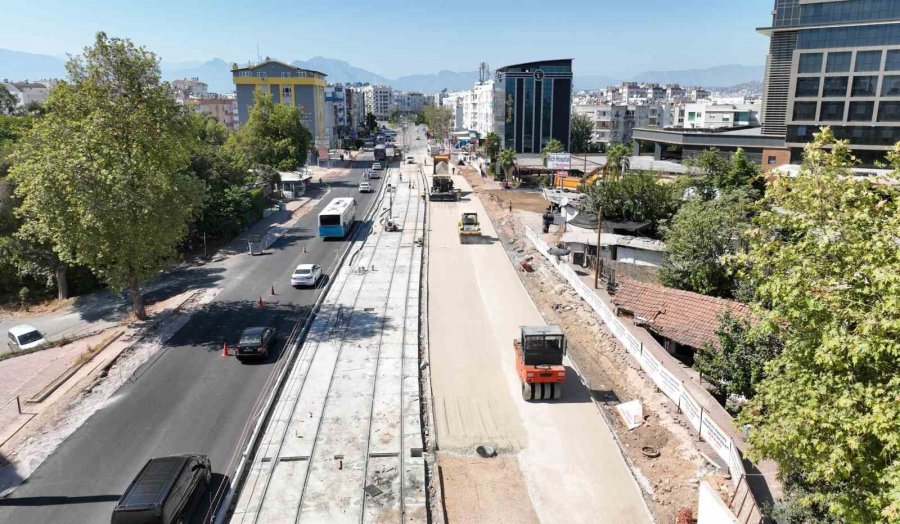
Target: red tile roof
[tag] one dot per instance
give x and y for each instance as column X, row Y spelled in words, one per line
column 690, row 319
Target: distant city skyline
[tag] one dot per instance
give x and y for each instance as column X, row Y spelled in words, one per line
column 603, row 37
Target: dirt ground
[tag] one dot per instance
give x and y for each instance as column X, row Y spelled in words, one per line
column 530, row 200
column 670, row 481
column 496, row 484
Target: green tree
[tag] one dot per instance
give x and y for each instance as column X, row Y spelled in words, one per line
column 737, row 365
column 553, row 146
column 507, row 161
column 437, row 118
column 273, row 138
column 716, row 173
column 371, row 122
column 615, row 154
column 492, row 145
column 8, row 101
column 102, row 176
column 636, row 198
column 698, row 239
column 582, row 129
column 823, row 257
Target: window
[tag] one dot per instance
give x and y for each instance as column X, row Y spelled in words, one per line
column 867, row 61
column 856, row 36
column 771, row 160
column 810, row 63
column 838, row 62
column 892, row 62
column 861, row 111
column 889, row 112
column 848, row 11
column 804, row 110
column 864, row 86
column 286, row 92
column 890, row 86
column 807, row 86
column 832, row 112
column 835, row 86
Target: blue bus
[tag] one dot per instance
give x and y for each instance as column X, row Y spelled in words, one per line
column 336, row 220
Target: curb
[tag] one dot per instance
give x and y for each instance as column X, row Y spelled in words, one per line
column 61, row 379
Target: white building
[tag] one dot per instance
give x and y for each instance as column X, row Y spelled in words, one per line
column 379, row 99
column 456, row 102
column 409, row 103
column 615, row 123
column 27, row 92
column 483, row 117
column 186, row 88
column 712, row 115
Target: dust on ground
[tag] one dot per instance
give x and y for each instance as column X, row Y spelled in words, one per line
column 669, row 481
column 526, row 200
column 484, row 490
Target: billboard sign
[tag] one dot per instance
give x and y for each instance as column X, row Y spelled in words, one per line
column 559, row 161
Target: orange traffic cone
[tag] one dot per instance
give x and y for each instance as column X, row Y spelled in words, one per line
column 260, row 303
column 225, row 349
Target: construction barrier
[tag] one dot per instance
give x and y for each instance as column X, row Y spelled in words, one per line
column 719, row 440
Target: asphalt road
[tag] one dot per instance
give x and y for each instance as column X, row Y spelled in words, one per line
column 187, row 398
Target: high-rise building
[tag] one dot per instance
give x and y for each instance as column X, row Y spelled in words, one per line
column 835, row 63
column 532, row 104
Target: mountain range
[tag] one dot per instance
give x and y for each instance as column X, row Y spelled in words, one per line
column 18, row 65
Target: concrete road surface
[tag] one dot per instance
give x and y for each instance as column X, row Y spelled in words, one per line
column 187, row 398
column 571, row 465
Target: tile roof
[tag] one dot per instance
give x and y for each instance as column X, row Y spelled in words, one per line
column 690, row 319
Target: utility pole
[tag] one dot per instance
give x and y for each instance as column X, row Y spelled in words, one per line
column 597, row 261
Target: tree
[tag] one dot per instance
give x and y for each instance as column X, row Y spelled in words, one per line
column 507, row 161
column 615, row 154
column 102, row 177
column 720, row 174
column 582, row 129
column 737, row 365
column 492, row 145
column 823, row 257
column 438, row 120
column 273, row 138
column 8, row 101
column 698, row 238
column 553, row 146
column 371, row 122
column 636, row 198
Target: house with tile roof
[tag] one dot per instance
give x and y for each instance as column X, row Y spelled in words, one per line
column 682, row 321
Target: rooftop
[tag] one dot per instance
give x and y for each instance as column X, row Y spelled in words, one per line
column 690, row 319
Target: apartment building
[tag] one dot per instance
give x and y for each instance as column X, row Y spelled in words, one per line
column 28, row 92
column 223, row 109
column 289, row 85
column 356, row 106
column 615, row 123
column 187, row 88
column 834, row 63
column 713, row 115
column 379, row 100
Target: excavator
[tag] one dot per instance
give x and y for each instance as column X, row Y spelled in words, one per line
column 469, row 229
column 539, row 362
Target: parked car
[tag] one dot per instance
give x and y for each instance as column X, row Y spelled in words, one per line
column 410, row 160
column 23, row 337
column 376, row 166
column 255, row 343
column 309, row 274
column 166, row 490
column 365, row 187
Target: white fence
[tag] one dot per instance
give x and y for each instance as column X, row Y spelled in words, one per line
column 720, row 441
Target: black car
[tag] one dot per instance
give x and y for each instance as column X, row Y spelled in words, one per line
column 255, row 343
column 165, row 491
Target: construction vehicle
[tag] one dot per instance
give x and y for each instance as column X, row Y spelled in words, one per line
column 442, row 188
column 539, row 362
column 469, row 229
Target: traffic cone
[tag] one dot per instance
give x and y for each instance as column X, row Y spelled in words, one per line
column 225, row 349
column 260, row 303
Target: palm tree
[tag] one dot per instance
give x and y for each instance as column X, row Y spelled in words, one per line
column 507, row 161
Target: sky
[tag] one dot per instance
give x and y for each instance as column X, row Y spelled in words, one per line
column 617, row 38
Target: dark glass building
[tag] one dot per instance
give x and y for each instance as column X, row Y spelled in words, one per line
column 532, row 104
column 836, row 63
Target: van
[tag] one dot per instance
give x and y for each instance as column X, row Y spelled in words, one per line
column 165, row 491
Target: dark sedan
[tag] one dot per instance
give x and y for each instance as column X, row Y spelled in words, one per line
column 255, row 343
